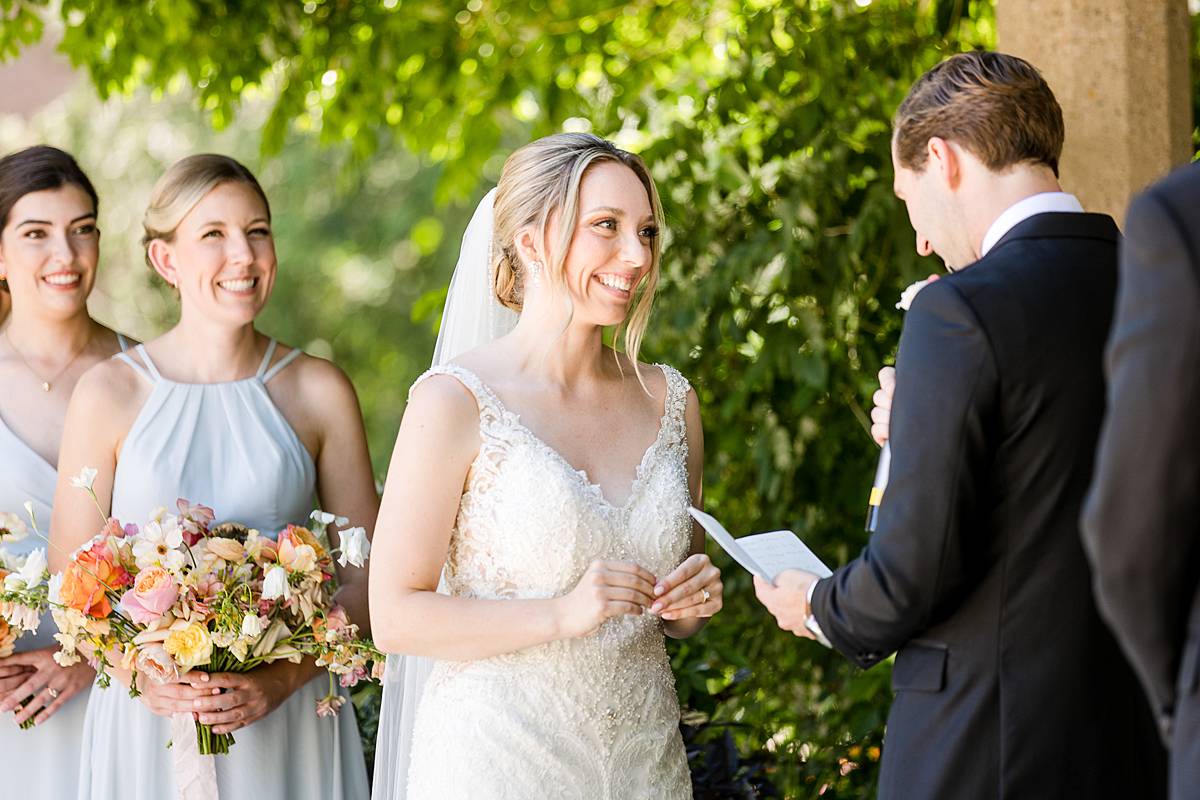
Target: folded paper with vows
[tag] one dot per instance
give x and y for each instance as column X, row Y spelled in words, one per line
column 764, row 554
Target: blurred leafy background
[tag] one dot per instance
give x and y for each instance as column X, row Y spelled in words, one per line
column 375, row 127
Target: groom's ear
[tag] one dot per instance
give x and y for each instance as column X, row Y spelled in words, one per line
column 943, row 157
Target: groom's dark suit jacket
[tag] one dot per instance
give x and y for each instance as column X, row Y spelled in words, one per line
column 1142, row 524
column 1007, row 683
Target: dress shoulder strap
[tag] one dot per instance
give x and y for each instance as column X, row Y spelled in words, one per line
column 122, row 342
column 490, row 407
column 149, row 371
column 675, row 405
column 265, row 374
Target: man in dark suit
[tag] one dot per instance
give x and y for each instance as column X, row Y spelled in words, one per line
column 1142, row 520
column 1007, row 682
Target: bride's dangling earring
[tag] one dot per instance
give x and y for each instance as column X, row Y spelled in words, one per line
column 535, row 272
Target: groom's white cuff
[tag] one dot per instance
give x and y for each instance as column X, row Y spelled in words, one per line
column 811, row 623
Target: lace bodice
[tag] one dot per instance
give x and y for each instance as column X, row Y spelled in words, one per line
column 528, row 526
column 511, row 542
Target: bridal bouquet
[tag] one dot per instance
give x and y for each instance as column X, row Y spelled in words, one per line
column 181, row 594
column 22, row 588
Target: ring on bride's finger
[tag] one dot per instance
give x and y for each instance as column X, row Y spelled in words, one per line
column 50, row 690
column 705, row 596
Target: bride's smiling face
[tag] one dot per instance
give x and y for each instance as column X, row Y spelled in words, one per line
column 611, row 250
column 222, row 256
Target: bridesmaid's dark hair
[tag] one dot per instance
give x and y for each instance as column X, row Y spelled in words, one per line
column 36, row 169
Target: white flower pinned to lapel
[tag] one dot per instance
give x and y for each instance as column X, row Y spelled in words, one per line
column 85, row 478
column 910, row 294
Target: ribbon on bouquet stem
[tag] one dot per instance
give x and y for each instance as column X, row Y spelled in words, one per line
column 195, row 775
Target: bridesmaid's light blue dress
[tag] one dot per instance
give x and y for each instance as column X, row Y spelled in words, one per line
column 225, row 445
column 41, row 761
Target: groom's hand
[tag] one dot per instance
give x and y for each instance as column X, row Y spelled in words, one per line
column 787, row 599
column 881, row 414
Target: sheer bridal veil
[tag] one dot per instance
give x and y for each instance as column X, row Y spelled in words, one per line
column 472, row 316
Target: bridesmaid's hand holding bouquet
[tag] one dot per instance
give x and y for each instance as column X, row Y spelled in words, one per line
column 180, row 594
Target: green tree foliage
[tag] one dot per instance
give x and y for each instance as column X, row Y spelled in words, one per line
column 766, row 124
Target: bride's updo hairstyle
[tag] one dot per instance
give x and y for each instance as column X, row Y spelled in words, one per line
column 542, row 179
column 183, row 186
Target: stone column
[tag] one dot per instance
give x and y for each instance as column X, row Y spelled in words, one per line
column 1120, row 70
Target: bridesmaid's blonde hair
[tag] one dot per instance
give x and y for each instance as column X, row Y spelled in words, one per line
column 183, row 186
column 543, row 178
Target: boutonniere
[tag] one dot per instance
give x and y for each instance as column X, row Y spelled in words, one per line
column 910, row 294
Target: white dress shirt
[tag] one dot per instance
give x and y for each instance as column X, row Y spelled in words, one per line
column 1022, row 210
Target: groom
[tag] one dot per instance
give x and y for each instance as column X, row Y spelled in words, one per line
column 1007, row 683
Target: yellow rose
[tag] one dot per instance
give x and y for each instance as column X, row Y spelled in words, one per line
column 190, row 646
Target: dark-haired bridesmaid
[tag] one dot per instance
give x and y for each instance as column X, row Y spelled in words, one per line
column 49, row 250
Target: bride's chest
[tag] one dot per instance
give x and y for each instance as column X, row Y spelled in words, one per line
column 529, row 524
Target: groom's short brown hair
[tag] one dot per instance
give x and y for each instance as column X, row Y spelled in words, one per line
column 995, row 105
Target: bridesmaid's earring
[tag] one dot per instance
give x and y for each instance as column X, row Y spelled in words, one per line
column 535, row 272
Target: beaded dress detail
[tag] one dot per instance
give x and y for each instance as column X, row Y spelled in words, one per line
column 592, row 718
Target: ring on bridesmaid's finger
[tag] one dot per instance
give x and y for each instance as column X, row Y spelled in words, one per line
column 705, row 595
column 50, row 690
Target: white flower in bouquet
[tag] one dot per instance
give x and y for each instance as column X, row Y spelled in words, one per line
column 325, row 518
column 275, row 584
column 12, row 528
column 253, row 626
column 54, row 589
column 21, row 617
column 158, row 545
column 355, row 546
column 28, row 574
column 85, row 478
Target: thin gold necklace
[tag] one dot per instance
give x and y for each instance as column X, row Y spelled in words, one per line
column 47, row 384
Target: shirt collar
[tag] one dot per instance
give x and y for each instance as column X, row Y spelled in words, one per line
column 1022, row 210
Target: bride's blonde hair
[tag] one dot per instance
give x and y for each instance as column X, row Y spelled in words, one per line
column 541, row 179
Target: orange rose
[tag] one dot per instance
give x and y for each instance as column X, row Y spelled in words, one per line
column 8, row 638
column 85, row 581
column 296, row 536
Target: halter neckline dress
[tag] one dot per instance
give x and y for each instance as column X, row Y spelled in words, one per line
column 225, row 445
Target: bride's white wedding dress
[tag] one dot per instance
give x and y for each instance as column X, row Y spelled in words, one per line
column 593, row 718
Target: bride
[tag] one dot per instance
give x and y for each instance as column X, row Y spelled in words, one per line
column 543, row 479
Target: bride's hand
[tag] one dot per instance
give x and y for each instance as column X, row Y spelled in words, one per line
column 693, row 589
column 608, row 589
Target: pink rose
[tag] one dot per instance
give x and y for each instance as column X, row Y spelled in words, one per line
column 152, row 594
